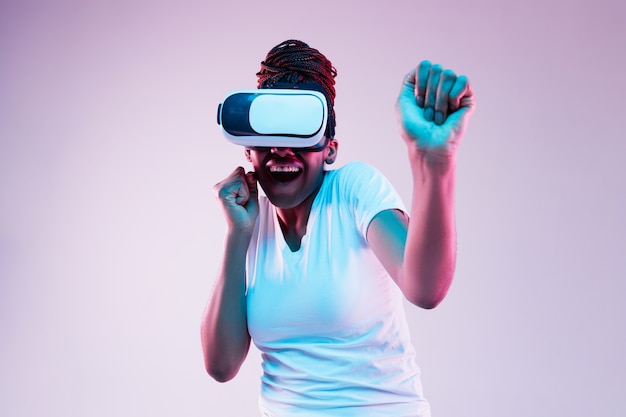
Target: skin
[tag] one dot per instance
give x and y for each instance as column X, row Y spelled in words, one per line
column 433, row 109
column 293, row 199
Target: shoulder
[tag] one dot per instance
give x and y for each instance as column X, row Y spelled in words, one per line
column 357, row 166
column 353, row 171
column 358, row 182
column 364, row 190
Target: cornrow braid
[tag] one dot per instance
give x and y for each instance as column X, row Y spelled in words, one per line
column 294, row 62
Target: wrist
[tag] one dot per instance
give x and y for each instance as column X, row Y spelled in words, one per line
column 237, row 229
column 236, row 247
column 432, row 163
column 238, row 235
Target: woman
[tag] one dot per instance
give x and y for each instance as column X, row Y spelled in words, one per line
column 314, row 272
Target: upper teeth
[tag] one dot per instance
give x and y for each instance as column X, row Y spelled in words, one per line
column 278, row 168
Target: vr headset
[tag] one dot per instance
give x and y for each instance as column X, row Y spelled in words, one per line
column 275, row 117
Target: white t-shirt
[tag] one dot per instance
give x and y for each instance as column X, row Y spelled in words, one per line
column 328, row 319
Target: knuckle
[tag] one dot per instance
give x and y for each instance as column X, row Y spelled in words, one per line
column 218, row 191
column 462, row 79
column 223, row 188
column 448, row 74
column 436, row 69
column 441, row 106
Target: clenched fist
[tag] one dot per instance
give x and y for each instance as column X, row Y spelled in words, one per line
column 433, row 109
column 238, row 194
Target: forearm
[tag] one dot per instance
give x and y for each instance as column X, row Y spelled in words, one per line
column 224, row 329
column 430, row 251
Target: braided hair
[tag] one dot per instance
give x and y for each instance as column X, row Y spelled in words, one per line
column 293, row 62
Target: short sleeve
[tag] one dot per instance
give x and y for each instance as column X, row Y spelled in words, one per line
column 368, row 192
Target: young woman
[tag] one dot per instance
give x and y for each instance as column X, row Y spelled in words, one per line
column 314, row 271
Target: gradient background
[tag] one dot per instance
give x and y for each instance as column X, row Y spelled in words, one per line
column 110, row 235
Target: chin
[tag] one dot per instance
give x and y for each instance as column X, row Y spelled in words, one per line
column 284, row 201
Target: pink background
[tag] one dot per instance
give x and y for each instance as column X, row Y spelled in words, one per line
column 110, row 235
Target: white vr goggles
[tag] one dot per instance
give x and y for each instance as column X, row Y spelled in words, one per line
column 274, row 118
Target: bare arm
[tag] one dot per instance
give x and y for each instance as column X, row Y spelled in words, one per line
column 420, row 254
column 224, row 328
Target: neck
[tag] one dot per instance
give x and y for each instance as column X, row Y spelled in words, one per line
column 293, row 221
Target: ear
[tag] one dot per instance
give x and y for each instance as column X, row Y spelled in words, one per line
column 248, row 157
column 331, row 151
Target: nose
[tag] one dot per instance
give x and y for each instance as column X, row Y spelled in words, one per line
column 282, row 152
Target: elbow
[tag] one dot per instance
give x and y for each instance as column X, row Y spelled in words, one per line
column 428, row 290
column 429, row 304
column 223, row 363
column 427, row 298
column 221, row 376
column 426, row 302
column 221, row 373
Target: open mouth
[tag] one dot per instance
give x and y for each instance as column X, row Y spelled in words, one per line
column 284, row 173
